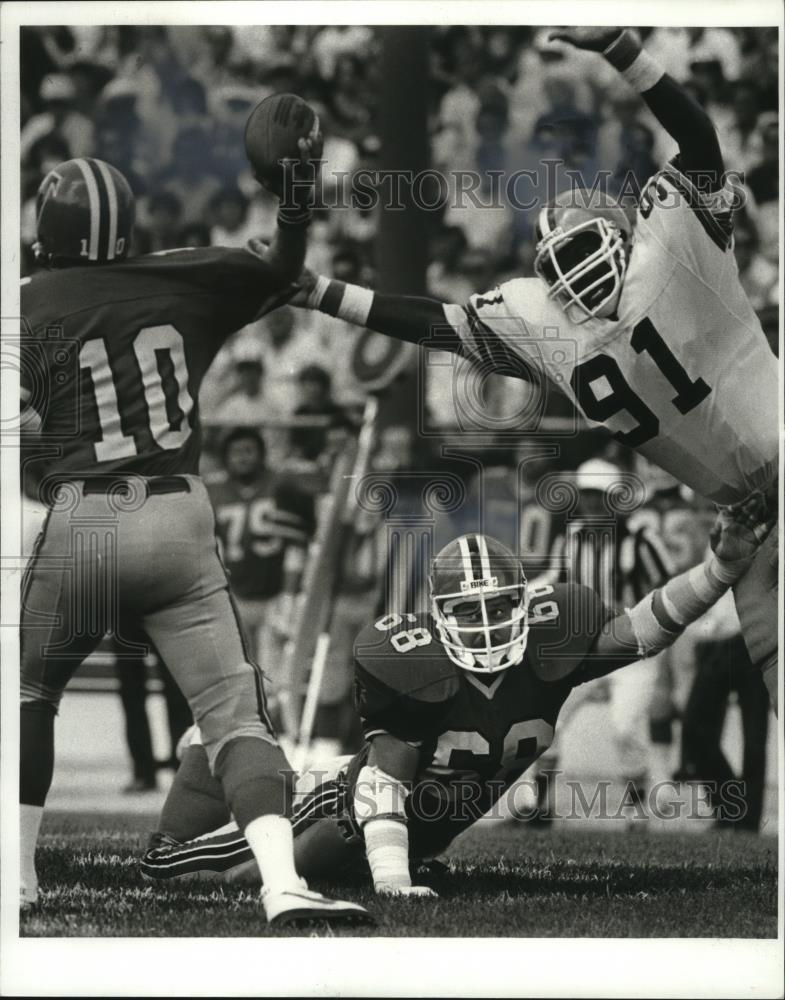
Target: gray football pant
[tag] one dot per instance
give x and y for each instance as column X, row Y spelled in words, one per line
column 101, row 560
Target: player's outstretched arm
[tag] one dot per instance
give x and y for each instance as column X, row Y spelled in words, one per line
column 286, row 252
column 662, row 615
column 406, row 317
column 678, row 113
column 380, row 808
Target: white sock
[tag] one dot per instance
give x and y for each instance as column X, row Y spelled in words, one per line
column 272, row 842
column 29, row 824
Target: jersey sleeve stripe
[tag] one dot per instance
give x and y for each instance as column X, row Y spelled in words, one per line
column 495, row 351
column 717, row 226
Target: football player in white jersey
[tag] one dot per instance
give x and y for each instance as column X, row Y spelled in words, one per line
column 645, row 326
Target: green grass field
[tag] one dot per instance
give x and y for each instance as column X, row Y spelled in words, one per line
column 504, row 881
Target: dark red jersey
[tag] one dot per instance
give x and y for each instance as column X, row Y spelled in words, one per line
column 476, row 731
column 256, row 524
column 113, row 357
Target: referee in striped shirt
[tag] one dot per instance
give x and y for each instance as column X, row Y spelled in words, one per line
column 600, row 549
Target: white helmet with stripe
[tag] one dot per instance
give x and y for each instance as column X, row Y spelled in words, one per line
column 479, row 603
column 84, row 214
column 583, row 245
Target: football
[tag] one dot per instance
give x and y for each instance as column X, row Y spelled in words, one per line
column 271, row 134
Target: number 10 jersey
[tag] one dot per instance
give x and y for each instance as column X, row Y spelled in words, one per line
column 683, row 371
column 113, row 356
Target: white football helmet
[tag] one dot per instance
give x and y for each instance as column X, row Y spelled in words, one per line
column 465, row 578
column 583, row 244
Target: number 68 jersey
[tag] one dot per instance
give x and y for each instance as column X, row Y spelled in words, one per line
column 113, row 356
column 476, row 734
column 682, row 373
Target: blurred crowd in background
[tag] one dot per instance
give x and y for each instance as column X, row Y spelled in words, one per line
column 168, row 105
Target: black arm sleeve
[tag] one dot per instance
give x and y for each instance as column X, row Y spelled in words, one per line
column 415, row 319
column 700, row 156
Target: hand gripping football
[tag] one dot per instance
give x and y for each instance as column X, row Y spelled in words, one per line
column 272, row 134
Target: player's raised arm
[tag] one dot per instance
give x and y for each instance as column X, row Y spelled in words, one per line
column 657, row 620
column 679, row 114
column 286, row 252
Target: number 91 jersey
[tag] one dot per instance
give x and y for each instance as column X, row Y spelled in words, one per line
column 476, row 735
column 112, row 356
column 682, row 373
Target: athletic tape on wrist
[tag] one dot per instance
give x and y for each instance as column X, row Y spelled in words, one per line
column 318, row 291
column 651, row 634
column 355, row 305
column 637, row 67
column 387, row 850
column 693, row 593
column 349, row 302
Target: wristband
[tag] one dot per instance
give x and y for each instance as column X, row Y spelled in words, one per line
column 348, row 302
column 637, row 67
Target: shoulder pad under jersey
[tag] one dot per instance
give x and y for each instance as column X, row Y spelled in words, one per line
column 404, row 680
column 564, row 622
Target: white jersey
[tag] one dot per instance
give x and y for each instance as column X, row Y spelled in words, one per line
column 683, row 372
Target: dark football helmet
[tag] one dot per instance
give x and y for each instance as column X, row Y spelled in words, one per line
column 84, row 214
column 583, row 243
column 479, row 603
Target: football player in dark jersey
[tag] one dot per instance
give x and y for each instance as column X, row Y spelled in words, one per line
column 115, row 349
column 455, row 705
column 646, row 328
column 265, row 521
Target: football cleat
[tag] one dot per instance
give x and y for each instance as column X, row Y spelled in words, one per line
column 300, row 905
column 479, row 603
column 84, row 214
column 583, row 245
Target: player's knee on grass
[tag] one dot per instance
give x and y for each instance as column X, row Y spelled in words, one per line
column 195, row 804
column 257, row 779
column 757, row 603
column 328, row 848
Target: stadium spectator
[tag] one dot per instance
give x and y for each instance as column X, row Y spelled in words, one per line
column 160, row 223
column 193, row 234
column 287, row 345
column 264, row 522
column 741, row 140
column 59, row 117
column 763, row 182
column 316, row 402
column 246, row 403
column 189, row 176
column 232, row 225
column 335, row 41
column 759, row 276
